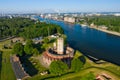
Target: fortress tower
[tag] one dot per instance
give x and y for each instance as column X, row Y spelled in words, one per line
column 60, row 46
column 58, row 52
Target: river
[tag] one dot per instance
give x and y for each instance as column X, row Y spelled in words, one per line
column 91, row 42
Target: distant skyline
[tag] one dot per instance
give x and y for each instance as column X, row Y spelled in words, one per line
column 31, row 6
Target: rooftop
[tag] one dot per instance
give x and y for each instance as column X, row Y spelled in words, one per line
column 17, row 67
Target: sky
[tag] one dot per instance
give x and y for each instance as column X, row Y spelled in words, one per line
column 59, row 5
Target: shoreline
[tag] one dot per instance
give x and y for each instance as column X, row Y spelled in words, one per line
column 107, row 31
column 103, row 30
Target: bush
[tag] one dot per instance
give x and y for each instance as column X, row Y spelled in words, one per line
column 28, row 47
column 18, row 49
column 76, row 65
column 58, row 67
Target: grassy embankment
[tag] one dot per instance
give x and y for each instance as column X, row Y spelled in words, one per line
column 6, row 71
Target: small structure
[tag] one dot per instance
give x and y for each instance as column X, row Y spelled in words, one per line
column 37, row 40
column 103, row 77
column 18, row 69
column 55, row 35
column 44, row 73
column 17, row 39
column 58, row 52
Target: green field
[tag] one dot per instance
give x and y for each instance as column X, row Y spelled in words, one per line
column 6, row 67
column 78, row 75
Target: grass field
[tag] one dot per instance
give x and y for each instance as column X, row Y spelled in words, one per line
column 78, row 75
column 6, row 67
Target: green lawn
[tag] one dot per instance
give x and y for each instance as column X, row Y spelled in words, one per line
column 77, row 76
column 73, row 76
column 6, row 68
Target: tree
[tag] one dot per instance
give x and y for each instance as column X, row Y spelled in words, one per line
column 58, row 67
column 60, row 30
column 65, row 39
column 46, row 40
column 35, row 52
column 28, row 48
column 18, row 49
column 76, row 65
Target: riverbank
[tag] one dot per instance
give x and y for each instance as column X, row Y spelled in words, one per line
column 107, row 31
column 103, row 30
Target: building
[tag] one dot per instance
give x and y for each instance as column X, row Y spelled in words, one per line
column 58, row 52
column 69, row 19
column 17, row 68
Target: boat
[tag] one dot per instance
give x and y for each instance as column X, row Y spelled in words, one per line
column 83, row 25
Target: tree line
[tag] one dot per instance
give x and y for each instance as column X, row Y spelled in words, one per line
column 12, row 27
column 26, row 28
column 41, row 29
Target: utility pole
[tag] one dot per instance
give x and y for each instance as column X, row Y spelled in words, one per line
column 48, row 28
